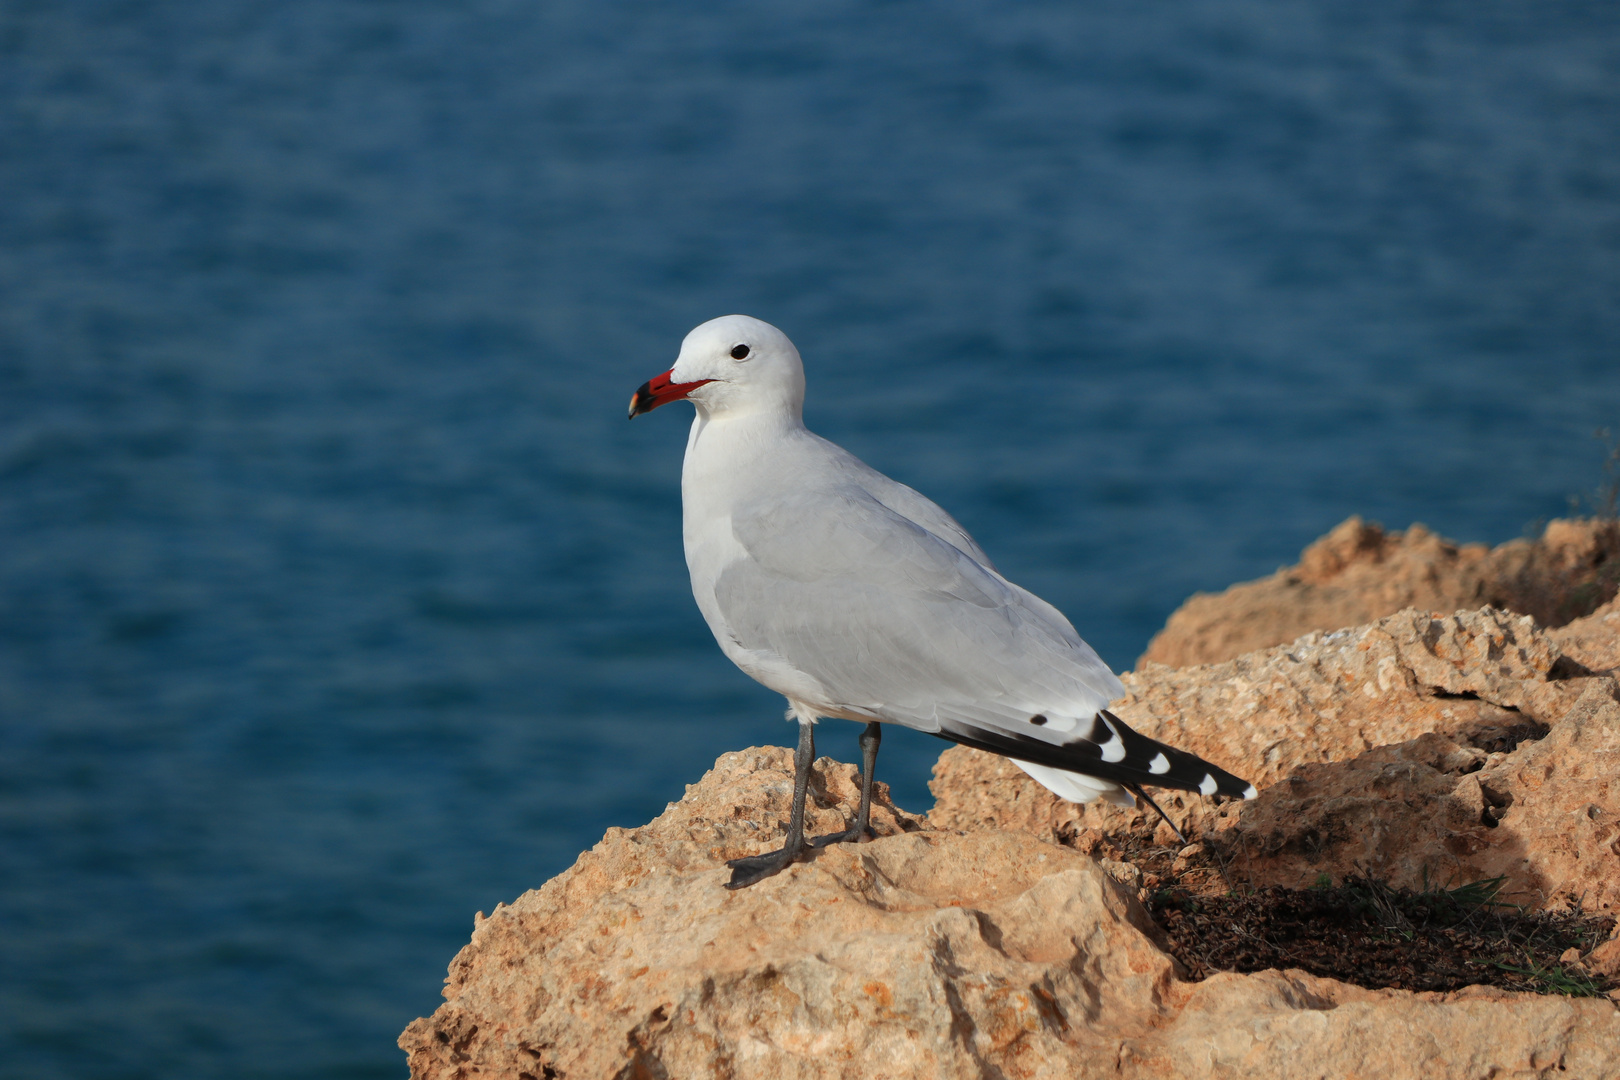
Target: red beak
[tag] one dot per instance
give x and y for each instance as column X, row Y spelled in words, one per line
column 658, row 390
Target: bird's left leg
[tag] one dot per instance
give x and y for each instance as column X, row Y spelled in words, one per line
column 745, row 872
column 862, row 829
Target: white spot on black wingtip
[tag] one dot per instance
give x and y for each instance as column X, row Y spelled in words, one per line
column 1159, row 764
column 1114, row 748
column 1207, row 786
column 1250, row 793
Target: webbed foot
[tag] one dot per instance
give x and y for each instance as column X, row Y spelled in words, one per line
column 746, row 871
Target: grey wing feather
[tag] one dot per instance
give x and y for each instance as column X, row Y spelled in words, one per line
column 898, row 621
column 916, row 507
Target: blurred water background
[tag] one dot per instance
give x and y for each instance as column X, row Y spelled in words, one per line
column 339, row 601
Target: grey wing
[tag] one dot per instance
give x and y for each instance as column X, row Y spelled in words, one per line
column 909, row 503
column 899, row 623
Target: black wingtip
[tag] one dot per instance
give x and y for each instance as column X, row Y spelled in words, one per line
column 1134, row 759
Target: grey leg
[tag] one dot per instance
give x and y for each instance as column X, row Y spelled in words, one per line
column 862, row 829
column 745, row 872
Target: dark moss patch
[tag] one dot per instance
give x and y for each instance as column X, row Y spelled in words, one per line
column 1365, row 933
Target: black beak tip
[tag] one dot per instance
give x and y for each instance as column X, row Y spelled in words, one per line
column 641, row 400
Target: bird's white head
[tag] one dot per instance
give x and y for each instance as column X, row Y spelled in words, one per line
column 729, row 366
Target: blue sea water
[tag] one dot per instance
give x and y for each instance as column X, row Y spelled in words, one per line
column 337, row 599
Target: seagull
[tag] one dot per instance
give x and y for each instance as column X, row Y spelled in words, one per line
column 857, row 598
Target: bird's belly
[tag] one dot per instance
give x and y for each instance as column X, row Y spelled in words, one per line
column 708, row 552
column 771, row 670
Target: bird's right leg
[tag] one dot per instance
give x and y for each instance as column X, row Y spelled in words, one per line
column 745, row 872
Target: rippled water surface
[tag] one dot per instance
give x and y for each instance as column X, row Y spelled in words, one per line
column 337, row 598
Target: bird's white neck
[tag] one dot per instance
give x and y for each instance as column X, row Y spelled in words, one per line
column 724, row 451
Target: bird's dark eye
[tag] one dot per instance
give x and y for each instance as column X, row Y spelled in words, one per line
column 739, row 352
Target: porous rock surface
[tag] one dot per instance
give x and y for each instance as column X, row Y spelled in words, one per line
column 1422, row 749
column 1593, row 641
column 925, row 953
column 1359, row 573
column 1004, row 936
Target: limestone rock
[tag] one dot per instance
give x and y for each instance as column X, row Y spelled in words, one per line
column 1592, row 641
column 1003, row 935
column 1420, row 749
column 1290, row 1024
column 921, row 954
column 1545, row 816
column 1359, row 573
column 1481, row 678
column 1605, row 959
column 1329, row 696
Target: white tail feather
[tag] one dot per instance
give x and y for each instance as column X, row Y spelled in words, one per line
column 1076, row 787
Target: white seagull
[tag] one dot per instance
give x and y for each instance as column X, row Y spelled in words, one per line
column 855, row 597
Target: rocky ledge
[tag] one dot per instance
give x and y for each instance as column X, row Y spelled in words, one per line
column 1358, row 573
column 1010, row 934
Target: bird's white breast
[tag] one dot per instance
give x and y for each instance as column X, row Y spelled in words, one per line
column 728, row 461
